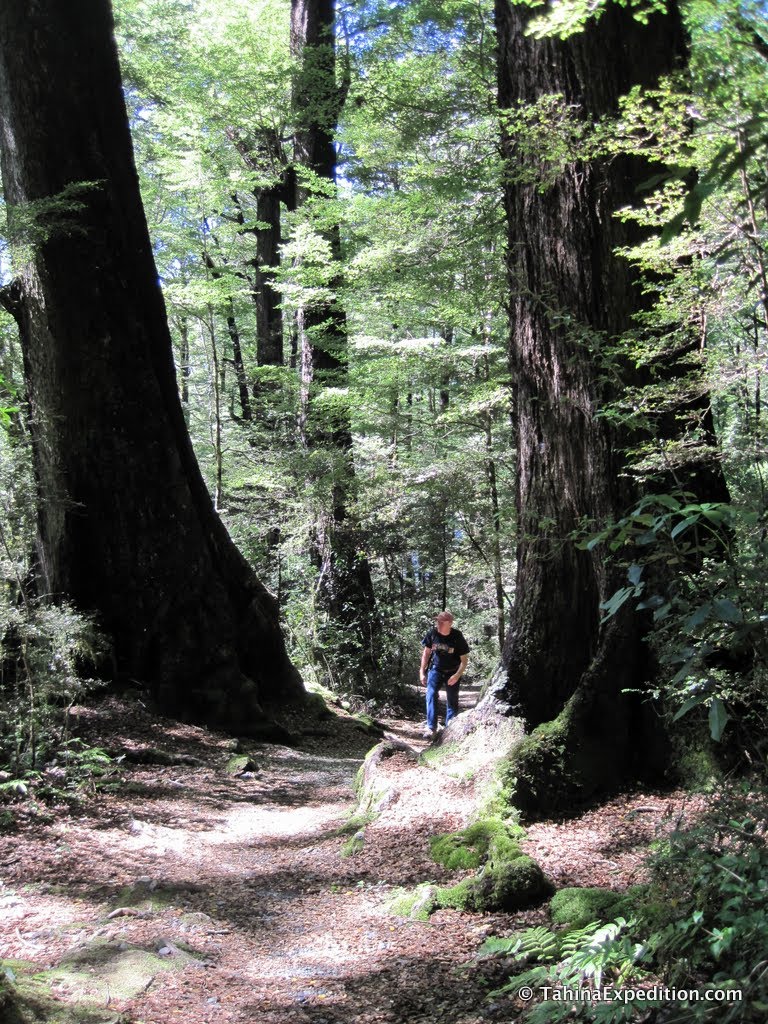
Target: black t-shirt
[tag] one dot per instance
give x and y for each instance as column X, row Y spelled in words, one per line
column 446, row 650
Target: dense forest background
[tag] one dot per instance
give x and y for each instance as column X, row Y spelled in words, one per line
column 328, row 223
column 418, row 274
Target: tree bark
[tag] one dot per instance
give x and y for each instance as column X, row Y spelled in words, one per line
column 269, row 315
column 493, row 498
column 261, row 152
column 125, row 526
column 184, row 367
column 241, row 376
column 569, row 293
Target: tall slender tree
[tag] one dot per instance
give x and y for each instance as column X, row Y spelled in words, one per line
column 345, row 589
column 125, row 526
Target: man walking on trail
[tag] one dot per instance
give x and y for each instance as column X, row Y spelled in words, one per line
column 443, row 663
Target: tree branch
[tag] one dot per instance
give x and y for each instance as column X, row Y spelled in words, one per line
column 475, row 544
column 12, row 298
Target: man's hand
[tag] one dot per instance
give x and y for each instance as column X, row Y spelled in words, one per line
column 422, row 679
column 453, row 680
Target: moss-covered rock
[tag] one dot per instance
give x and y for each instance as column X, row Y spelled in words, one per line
column 354, row 844
column 416, row 903
column 503, row 885
column 473, row 846
column 317, row 704
column 511, row 885
column 102, row 968
column 147, row 897
column 78, row 989
column 462, row 896
column 327, row 698
column 370, row 787
column 240, row 763
column 354, row 828
column 370, row 726
column 507, row 880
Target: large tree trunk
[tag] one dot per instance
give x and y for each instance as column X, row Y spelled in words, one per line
column 569, row 292
column 345, row 590
column 126, row 526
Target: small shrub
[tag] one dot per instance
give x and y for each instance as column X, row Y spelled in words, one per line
column 591, row 957
column 43, row 648
column 702, row 923
column 708, row 905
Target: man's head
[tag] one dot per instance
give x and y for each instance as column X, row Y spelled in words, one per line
column 444, row 622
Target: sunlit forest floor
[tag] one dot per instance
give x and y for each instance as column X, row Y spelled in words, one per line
column 209, row 889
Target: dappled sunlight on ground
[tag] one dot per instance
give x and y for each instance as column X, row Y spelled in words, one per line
column 239, row 883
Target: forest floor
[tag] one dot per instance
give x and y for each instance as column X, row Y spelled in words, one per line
column 189, row 893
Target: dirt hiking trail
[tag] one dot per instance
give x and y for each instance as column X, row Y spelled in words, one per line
column 213, row 887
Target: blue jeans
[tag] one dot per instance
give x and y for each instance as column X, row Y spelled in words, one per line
column 436, row 679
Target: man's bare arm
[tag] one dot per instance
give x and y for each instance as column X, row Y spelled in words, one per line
column 459, row 671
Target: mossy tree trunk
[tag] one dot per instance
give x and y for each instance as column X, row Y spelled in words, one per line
column 126, row 526
column 570, row 293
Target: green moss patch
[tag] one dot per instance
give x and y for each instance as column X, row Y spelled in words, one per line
column 317, row 706
column 576, row 908
column 370, row 726
column 416, row 903
column 505, row 885
column 353, row 845
column 102, row 969
column 474, row 845
column 354, row 828
column 434, row 757
column 141, row 897
column 355, row 823
column 240, row 763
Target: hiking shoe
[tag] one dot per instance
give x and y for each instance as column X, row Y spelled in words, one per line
column 429, row 734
